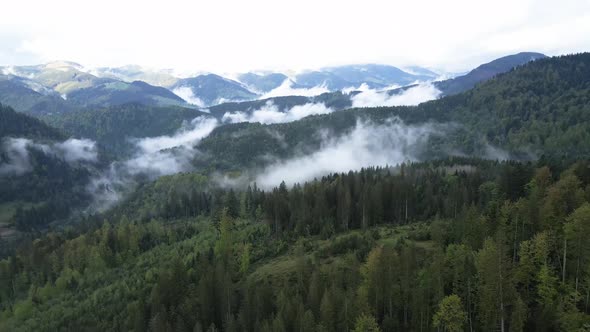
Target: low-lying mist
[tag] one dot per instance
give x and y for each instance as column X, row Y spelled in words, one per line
column 270, row 113
column 18, row 161
column 187, row 94
column 155, row 157
column 367, row 144
column 409, row 97
column 289, row 88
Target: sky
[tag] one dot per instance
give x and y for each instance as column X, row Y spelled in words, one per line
column 236, row 36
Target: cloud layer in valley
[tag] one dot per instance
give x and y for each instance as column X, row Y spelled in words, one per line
column 365, row 145
column 155, row 157
column 187, row 94
column 18, row 156
column 270, row 113
column 186, row 136
column 288, row 88
column 409, row 97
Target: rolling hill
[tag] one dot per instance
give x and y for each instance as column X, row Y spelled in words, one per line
column 262, row 82
column 43, row 174
column 352, row 76
column 59, row 87
column 540, row 108
column 119, row 93
column 211, row 89
column 113, row 128
column 486, row 71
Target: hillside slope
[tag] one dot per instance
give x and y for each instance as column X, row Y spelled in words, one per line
column 113, row 128
column 535, row 109
column 485, row 72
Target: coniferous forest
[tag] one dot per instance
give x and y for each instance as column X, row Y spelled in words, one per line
column 453, row 245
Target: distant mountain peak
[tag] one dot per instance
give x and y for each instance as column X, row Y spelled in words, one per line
column 61, row 64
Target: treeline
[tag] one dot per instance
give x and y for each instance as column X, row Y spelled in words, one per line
column 358, row 200
column 440, row 246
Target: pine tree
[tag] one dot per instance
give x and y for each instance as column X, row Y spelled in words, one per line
column 450, row 316
column 366, row 323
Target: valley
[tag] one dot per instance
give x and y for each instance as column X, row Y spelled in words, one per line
column 137, row 200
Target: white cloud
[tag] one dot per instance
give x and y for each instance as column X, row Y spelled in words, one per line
column 362, row 87
column 287, row 89
column 74, row 150
column 412, row 96
column 155, row 157
column 158, row 163
column 18, row 161
column 270, row 113
column 18, row 158
column 495, row 153
column 366, row 145
column 186, row 93
column 325, row 39
column 186, row 136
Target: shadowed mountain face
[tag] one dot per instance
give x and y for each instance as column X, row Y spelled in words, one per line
column 374, row 76
column 115, row 128
column 14, row 124
column 213, row 89
column 262, row 83
column 60, row 87
column 118, row 93
column 25, row 95
column 43, row 174
column 485, row 72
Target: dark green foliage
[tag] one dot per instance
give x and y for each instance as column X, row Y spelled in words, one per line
column 52, row 182
column 538, row 109
column 334, row 100
column 407, row 271
column 455, row 244
column 485, row 72
column 49, row 186
column 113, row 127
column 13, row 124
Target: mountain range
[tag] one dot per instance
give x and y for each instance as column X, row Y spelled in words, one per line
column 263, row 226
column 62, row 87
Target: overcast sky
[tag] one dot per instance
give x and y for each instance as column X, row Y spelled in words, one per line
column 230, row 36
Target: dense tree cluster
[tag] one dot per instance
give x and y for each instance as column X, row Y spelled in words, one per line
column 114, row 127
column 487, row 246
column 13, row 124
column 48, row 186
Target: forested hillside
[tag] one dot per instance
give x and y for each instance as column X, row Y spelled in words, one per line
column 13, row 124
column 42, row 175
column 542, row 108
column 452, row 243
column 115, row 127
column 463, row 244
column 485, row 72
